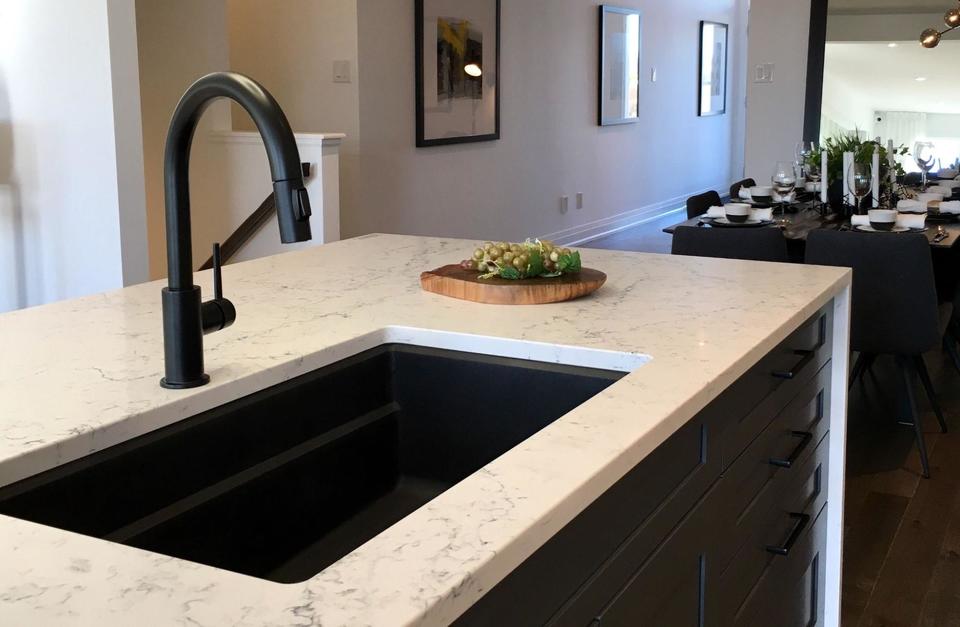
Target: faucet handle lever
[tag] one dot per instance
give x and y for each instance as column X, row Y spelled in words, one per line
column 218, row 313
column 217, row 274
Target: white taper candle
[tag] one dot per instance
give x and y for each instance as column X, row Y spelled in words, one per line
column 824, row 180
column 892, row 163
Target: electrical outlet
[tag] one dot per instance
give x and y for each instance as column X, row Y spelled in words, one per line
column 579, row 200
column 564, row 204
column 341, row 72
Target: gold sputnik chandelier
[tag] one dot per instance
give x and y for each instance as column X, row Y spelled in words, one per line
column 930, row 38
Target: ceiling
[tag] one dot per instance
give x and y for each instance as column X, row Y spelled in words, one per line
column 886, row 77
column 890, row 6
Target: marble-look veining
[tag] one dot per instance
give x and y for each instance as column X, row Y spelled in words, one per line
column 81, row 375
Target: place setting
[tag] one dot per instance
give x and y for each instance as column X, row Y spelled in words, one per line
column 738, row 215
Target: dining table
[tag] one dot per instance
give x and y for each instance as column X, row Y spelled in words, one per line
column 804, row 217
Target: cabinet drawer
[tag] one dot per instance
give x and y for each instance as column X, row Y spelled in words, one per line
column 790, row 592
column 784, row 525
column 765, row 472
column 669, row 588
column 628, row 520
column 774, row 381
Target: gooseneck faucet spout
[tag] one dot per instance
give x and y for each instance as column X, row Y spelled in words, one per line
column 186, row 318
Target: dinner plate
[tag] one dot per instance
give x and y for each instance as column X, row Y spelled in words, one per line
column 866, row 228
column 727, row 224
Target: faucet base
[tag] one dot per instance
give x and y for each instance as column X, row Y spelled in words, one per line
column 205, row 379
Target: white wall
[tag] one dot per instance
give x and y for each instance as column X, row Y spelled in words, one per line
column 180, row 41
column 246, row 162
column 293, row 58
column 779, row 34
column 845, row 106
column 551, row 144
column 67, row 227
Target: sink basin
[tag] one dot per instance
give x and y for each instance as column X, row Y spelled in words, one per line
column 285, row 482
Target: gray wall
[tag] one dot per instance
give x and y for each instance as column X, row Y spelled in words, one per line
column 551, row 144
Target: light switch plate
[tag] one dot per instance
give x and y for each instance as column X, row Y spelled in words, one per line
column 653, row 75
column 763, row 73
column 564, row 204
column 341, row 72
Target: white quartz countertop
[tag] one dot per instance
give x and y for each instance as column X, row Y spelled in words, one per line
column 82, row 375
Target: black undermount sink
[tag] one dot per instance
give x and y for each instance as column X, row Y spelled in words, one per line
column 283, row 483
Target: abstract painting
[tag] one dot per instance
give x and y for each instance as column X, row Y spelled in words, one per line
column 458, row 68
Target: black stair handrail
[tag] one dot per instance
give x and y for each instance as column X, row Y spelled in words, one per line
column 249, row 227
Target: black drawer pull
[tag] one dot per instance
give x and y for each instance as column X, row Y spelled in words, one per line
column 805, row 439
column 805, row 358
column 802, row 521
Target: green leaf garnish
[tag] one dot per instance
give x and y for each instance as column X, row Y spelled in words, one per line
column 509, row 272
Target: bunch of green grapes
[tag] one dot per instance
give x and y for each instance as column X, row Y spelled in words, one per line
column 533, row 258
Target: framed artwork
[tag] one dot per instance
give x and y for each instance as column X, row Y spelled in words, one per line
column 458, row 71
column 712, row 98
column 620, row 39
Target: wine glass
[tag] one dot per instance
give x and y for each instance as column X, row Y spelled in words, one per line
column 860, row 181
column 784, row 181
column 804, row 151
column 923, row 155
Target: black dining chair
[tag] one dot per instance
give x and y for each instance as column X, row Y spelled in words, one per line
column 736, row 187
column 698, row 205
column 894, row 307
column 758, row 244
column 951, row 339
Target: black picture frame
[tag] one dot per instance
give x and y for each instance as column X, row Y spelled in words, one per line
column 421, row 140
column 602, row 70
column 726, row 68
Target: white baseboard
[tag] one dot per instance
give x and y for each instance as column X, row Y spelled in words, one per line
column 581, row 234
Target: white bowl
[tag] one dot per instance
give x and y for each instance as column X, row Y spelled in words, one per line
column 882, row 219
column 737, row 212
column 763, row 191
column 882, row 215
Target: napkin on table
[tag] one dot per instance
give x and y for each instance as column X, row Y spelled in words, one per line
column 924, row 199
column 912, row 221
column 950, row 206
column 762, row 214
column 911, row 205
column 941, row 189
column 716, row 212
column 745, row 193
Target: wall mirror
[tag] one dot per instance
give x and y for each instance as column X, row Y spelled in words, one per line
column 620, row 38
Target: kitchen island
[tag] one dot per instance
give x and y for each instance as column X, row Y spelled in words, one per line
column 81, row 376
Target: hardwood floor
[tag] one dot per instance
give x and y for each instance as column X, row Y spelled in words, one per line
column 902, row 532
column 647, row 238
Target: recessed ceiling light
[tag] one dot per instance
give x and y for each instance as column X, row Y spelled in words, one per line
column 920, row 79
column 892, row 44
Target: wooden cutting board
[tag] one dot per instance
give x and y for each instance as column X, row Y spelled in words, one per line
column 456, row 282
